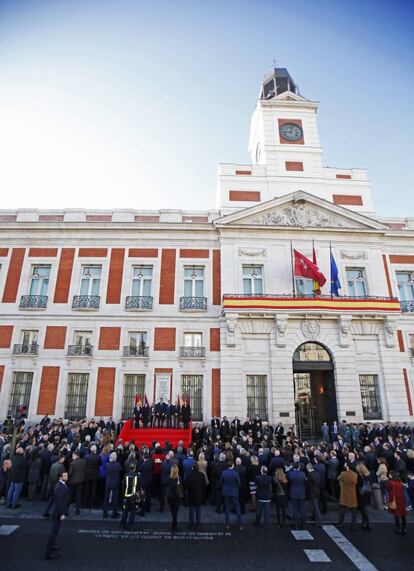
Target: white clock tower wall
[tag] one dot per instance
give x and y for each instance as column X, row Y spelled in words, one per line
column 286, row 156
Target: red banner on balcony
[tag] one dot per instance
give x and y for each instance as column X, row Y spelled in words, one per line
column 307, row 269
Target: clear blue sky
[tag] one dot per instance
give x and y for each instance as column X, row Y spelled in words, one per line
column 126, row 103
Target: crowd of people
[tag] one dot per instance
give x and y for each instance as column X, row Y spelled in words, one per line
column 233, row 465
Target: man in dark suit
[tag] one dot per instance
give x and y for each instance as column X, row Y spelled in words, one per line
column 231, row 491
column 297, row 494
column 215, row 426
column 145, row 469
column 186, row 413
column 225, row 429
column 145, row 414
column 160, row 412
column 137, row 414
column 170, row 413
column 235, row 426
column 177, row 415
column 195, row 485
column 60, row 510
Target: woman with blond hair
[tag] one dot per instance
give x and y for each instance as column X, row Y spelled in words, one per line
column 382, row 477
column 175, row 493
column 364, row 491
column 253, row 470
column 202, row 468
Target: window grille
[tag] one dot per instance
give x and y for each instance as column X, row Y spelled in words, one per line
column 133, row 385
column 257, row 396
column 192, row 390
column 76, row 395
column 370, row 398
column 21, row 390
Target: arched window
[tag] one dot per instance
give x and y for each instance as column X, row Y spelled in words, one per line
column 311, row 352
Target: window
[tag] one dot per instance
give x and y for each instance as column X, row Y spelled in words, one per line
column 411, row 344
column 257, row 396
column 137, row 343
column 39, row 281
column 252, row 279
column 193, row 339
column 304, row 286
column 192, row 390
column 133, row 385
column 83, row 338
column 356, row 282
column 193, row 282
column 77, row 395
column 370, row 397
column 141, row 281
column 405, row 282
column 91, row 280
column 29, row 341
column 21, row 389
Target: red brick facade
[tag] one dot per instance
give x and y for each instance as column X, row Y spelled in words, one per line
column 109, row 338
column 105, row 386
column 167, row 278
column 116, row 271
column 164, row 339
column 64, row 276
column 13, row 275
column 55, row 337
column 6, row 332
column 48, row 390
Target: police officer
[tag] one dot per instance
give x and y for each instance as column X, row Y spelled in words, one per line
column 131, row 491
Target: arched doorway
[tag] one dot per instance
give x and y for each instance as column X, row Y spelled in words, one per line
column 314, row 384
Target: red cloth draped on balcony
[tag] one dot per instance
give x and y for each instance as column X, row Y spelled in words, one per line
column 307, row 269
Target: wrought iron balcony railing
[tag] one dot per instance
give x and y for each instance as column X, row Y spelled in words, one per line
column 26, row 349
column 193, row 303
column 86, row 302
column 138, row 302
column 140, row 351
column 289, row 302
column 407, row 306
column 33, row 302
column 192, row 352
column 80, row 350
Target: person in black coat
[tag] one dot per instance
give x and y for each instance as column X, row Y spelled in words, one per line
column 112, row 481
column 137, row 414
column 235, row 427
column 196, row 485
column 145, row 415
column 186, row 414
column 170, row 413
column 60, row 510
column 145, row 469
column 225, row 429
column 18, row 477
column 244, row 487
column 93, row 461
column 263, row 497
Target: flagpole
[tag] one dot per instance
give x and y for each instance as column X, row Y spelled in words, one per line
column 293, row 271
column 330, row 264
column 313, row 260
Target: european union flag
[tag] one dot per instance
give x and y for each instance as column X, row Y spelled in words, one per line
column 335, row 283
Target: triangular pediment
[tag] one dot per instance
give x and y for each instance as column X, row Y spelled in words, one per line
column 289, row 96
column 300, row 210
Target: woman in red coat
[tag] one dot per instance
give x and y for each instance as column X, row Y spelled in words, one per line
column 396, row 492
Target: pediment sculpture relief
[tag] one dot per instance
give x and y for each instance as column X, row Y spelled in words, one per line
column 299, row 215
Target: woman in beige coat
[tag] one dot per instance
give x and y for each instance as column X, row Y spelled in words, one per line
column 348, row 499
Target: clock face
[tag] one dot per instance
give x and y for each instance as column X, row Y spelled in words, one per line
column 290, row 132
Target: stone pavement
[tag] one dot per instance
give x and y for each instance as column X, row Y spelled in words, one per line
column 34, row 510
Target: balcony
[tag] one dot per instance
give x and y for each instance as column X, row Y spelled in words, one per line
column 140, row 351
column 192, row 352
column 407, row 306
column 86, row 302
column 26, row 349
column 33, row 302
column 193, row 303
column 307, row 304
column 138, row 302
column 80, row 350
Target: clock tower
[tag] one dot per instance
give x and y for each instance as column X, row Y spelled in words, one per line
column 286, row 155
column 283, row 131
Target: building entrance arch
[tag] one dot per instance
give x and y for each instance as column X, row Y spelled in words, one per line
column 314, row 385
